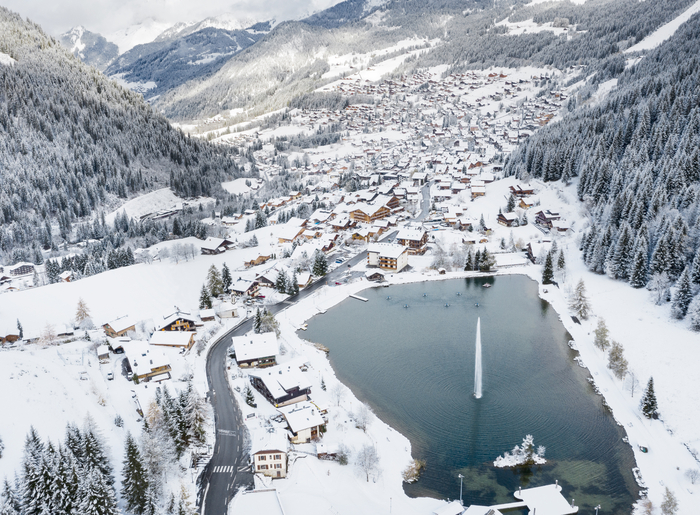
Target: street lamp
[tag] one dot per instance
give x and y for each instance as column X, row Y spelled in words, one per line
column 461, row 478
column 596, row 509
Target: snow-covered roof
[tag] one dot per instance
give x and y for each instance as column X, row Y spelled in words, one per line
column 255, row 502
column 206, row 313
column 212, row 243
column 410, row 234
column 388, row 250
column 255, row 346
column 280, row 379
column 143, row 358
column 122, row 323
column 167, row 320
column 179, row 338
column 453, row 508
column 302, row 416
column 480, row 510
column 264, row 441
column 102, row 350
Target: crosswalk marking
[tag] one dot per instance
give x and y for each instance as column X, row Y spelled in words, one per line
column 224, row 469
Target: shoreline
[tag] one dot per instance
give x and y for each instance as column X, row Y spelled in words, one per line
column 327, row 298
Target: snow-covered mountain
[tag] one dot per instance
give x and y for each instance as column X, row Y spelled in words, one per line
column 138, row 34
column 165, row 64
column 90, row 47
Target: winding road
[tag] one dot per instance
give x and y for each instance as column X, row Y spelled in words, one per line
column 229, row 469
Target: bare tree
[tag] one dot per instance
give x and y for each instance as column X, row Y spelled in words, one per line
column 82, row 314
column 337, row 393
column 693, row 475
column 363, row 417
column 368, row 460
column 632, row 382
column 48, row 336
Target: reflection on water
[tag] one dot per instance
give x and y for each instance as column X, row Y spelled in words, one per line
column 415, row 367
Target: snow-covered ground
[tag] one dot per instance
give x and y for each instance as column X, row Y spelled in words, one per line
column 665, row 31
column 156, row 201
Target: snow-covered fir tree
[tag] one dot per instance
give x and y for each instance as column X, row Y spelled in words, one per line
column 648, row 404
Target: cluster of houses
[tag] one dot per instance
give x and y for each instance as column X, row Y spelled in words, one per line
column 285, row 386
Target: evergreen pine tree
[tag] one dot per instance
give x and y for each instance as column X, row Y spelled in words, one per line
column 9, row 500
column 95, row 456
column 320, row 266
column 226, row 279
column 260, row 220
column 694, row 313
column 682, row 297
column 214, row 282
column 66, row 483
column 204, row 298
column 616, row 360
column 510, row 207
column 257, row 321
column 281, row 284
column 579, row 301
column 32, row 493
column 487, row 261
column 482, row 224
column 477, row 260
column 195, row 415
column 134, row 478
column 97, row 495
column 548, row 271
column 249, row 397
column 601, row 335
column 695, row 269
column 648, row 404
column 561, row 262
column 469, row 265
column 293, row 286
column 20, row 332
column 638, row 266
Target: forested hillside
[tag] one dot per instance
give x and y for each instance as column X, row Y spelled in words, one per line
column 637, row 159
column 72, row 141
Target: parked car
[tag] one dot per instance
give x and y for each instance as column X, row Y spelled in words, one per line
column 129, row 376
column 339, row 260
column 110, row 376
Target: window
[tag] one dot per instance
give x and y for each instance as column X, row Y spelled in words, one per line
column 278, row 456
column 262, row 457
column 278, row 465
column 262, row 467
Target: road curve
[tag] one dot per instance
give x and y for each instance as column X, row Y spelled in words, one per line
column 228, row 470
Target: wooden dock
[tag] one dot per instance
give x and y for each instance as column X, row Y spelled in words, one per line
column 359, row 298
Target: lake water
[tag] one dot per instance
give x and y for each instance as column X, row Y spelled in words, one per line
column 415, row 367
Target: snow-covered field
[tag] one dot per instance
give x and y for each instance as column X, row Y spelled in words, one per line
column 665, row 31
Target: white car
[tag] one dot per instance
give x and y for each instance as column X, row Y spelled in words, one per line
column 110, row 376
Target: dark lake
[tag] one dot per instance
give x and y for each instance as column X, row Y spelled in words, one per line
column 415, row 367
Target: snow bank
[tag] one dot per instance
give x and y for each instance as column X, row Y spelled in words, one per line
column 665, row 31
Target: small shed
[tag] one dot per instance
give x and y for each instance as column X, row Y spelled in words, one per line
column 103, row 353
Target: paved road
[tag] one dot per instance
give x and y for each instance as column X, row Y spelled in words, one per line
column 228, row 470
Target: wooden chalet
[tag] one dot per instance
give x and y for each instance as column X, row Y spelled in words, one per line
column 179, row 339
column 305, row 422
column 281, row 385
column 260, row 260
column 212, row 246
column 507, row 219
column 519, row 191
column 256, row 350
column 147, row 363
column 178, row 321
column 415, row 239
column 369, row 213
column 545, row 218
column 244, row 287
column 119, row 327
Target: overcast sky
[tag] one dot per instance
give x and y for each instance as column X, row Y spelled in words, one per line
column 106, row 16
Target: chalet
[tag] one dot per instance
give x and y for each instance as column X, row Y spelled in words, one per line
column 560, row 225
column 260, row 260
column 229, row 221
column 387, row 256
column 304, row 421
column 519, row 191
column 244, row 287
column 374, row 275
column 281, row 384
column 119, row 327
column 147, row 363
column 290, row 233
column 342, row 223
column 179, row 339
column 303, row 279
column 66, row 276
column 369, row 213
column 415, row 239
column 545, row 218
column 213, row 245
column 103, row 353
column 207, row 315
column 8, row 334
column 507, row 219
column 256, row 350
column 270, row 455
column 178, row 321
